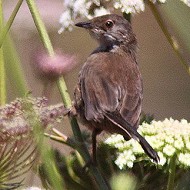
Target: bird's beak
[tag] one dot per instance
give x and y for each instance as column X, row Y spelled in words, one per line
column 87, row 25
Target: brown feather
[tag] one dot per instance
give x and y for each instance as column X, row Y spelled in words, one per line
column 109, row 92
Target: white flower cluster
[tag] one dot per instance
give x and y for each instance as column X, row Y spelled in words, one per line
column 80, row 9
column 129, row 6
column 187, row 2
column 169, row 137
column 32, row 188
column 88, row 9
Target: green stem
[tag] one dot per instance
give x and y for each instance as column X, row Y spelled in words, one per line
column 47, row 156
column 9, row 22
column 65, row 96
column 2, row 65
column 69, row 142
column 11, row 58
column 172, row 169
column 164, row 29
column 14, row 69
column 64, row 92
column 40, row 26
column 2, row 79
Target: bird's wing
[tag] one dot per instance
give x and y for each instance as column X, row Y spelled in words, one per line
column 107, row 96
column 100, row 93
column 108, row 84
column 131, row 107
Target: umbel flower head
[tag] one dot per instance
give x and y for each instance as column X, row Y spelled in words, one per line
column 169, row 137
column 17, row 146
column 14, row 117
column 74, row 9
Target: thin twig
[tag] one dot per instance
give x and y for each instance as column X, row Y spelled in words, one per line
column 5, row 29
column 65, row 96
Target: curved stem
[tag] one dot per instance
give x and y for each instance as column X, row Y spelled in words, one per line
column 172, row 168
column 2, row 65
column 9, row 22
column 40, row 26
column 13, row 68
column 164, row 29
column 65, row 96
column 10, row 57
column 47, row 155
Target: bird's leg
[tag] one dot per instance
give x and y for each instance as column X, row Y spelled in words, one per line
column 95, row 132
column 93, row 161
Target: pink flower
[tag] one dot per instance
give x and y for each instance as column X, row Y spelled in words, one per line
column 55, row 66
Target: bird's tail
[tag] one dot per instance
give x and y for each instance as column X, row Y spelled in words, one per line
column 117, row 119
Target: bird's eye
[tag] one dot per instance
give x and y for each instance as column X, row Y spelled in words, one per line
column 109, row 23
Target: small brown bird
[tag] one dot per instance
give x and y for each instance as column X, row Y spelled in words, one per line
column 109, row 92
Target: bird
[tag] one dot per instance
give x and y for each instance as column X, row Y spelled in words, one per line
column 109, row 93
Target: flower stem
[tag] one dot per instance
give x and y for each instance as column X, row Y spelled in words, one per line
column 47, row 156
column 2, row 79
column 40, row 26
column 5, row 30
column 164, row 29
column 10, row 57
column 2, row 65
column 172, row 168
column 64, row 92
column 14, row 69
column 65, row 96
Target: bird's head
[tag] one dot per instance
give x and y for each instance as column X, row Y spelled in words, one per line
column 110, row 30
